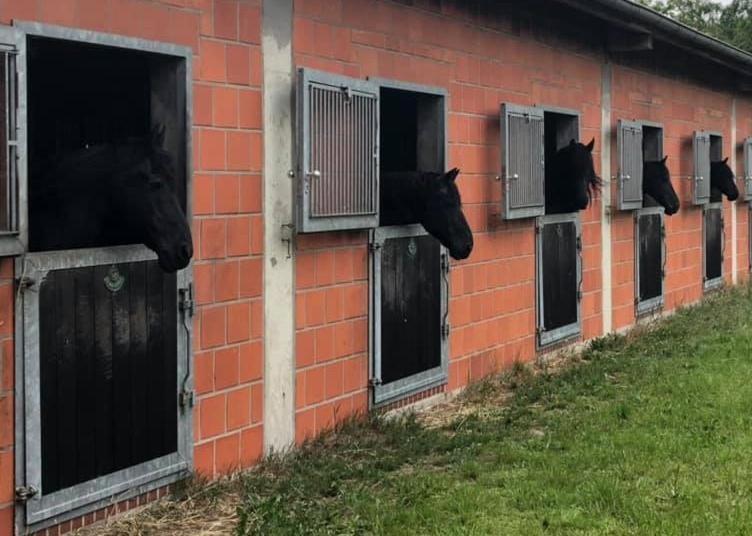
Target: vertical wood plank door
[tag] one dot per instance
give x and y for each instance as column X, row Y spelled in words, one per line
column 410, row 307
column 560, row 277
column 650, row 260
column 108, row 370
column 713, row 244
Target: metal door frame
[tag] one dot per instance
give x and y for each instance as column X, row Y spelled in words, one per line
column 652, row 304
column 547, row 338
column 38, row 511
column 422, row 381
column 711, row 284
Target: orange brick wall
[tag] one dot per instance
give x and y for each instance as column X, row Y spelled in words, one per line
column 492, row 305
column 743, row 131
column 227, row 226
column 682, row 108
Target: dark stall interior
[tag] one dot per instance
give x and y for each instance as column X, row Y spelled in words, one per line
column 412, row 131
column 81, row 95
column 652, row 143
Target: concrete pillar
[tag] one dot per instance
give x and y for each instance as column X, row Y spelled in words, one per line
column 606, row 173
column 279, row 262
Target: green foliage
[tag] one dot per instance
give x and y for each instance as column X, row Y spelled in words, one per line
column 731, row 23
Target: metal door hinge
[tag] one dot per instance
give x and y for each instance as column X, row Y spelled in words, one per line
column 25, row 282
column 579, row 243
column 445, row 329
column 373, row 382
column 374, row 246
column 187, row 306
column 287, row 233
column 186, row 399
column 24, row 493
column 445, row 265
column 579, row 295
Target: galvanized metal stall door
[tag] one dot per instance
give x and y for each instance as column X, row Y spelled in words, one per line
column 106, row 356
column 713, row 238
column 559, row 273
column 409, row 297
column 523, row 165
column 701, row 182
column 650, row 257
column 338, row 136
column 629, row 141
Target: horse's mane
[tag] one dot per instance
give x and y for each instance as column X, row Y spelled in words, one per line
column 84, row 168
column 594, row 182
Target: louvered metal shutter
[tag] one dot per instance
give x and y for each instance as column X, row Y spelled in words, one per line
column 701, row 179
column 748, row 169
column 338, row 166
column 523, row 171
column 629, row 142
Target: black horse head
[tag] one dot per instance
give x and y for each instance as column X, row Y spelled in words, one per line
column 571, row 181
column 443, row 216
column 431, row 199
column 656, row 183
column 149, row 206
column 722, row 181
column 113, row 194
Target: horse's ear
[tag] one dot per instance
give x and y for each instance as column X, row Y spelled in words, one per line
column 591, row 145
column 665, row 158
column 452, row 174
column 158, row 135
column 725, row 160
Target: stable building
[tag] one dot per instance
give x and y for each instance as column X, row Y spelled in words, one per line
column 299, row 308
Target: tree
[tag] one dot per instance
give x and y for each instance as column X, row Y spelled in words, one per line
column 731, row 23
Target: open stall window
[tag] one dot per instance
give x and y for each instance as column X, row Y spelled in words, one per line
column 523, row 165
column 630, row 146
column 748, row 169
column 338, row 156
column 701, row 179
column 9, row 144
column 714, row 245
column 409, row 270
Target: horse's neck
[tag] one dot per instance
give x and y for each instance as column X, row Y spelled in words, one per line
column 403, row 199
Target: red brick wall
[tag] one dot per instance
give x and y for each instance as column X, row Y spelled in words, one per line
column 492, row 309
column 682, row 108
column 743, row 131
column 227, row 224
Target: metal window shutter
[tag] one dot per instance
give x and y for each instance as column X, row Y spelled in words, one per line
column 523, row 171
column 629, row 141
column 338, row 165
column 748, row 169
column 701, row 179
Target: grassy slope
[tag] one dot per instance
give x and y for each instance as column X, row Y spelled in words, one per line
column 645, row 436
column 649, row 435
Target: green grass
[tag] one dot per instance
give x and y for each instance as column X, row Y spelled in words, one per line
column 649, row 434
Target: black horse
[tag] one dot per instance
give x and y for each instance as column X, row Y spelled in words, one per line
column 657, row 189
column 571, row 181
column 722, row 182
column 431, row 199
column 112, row 194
